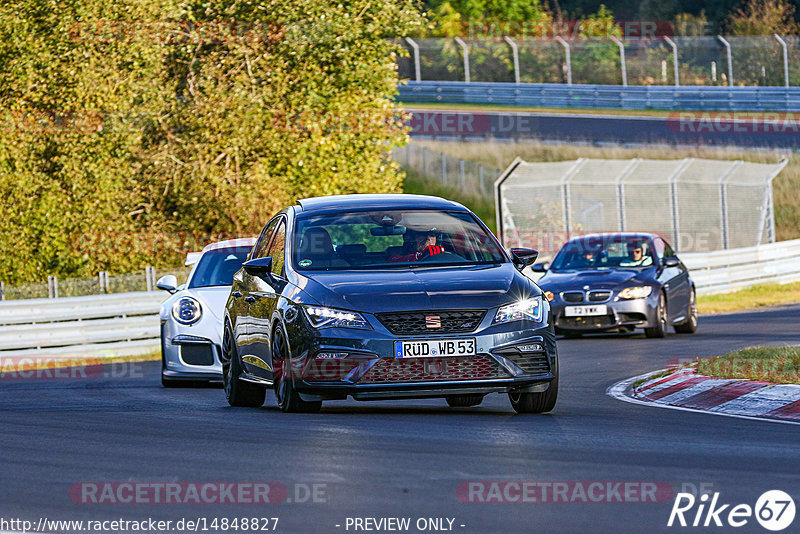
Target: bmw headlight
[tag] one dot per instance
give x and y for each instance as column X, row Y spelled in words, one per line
column 187, row 310
column 530, row 309
column 332, row 318
column 638, row 292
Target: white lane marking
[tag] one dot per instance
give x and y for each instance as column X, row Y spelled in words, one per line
column 761, row 401
column 617, row 391
column 691, row 391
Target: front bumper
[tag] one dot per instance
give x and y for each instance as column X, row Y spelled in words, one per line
column 635, row 313
column 190, row 352
column 371, row 371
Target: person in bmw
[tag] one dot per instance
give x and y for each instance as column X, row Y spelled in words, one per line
column 326, row 307
column 619, row 282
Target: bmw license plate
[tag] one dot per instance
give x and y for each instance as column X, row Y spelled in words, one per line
column 438, row 348
column 583, row 311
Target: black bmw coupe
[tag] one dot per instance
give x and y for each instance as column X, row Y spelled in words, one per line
column 386, row 297
column 619, row 282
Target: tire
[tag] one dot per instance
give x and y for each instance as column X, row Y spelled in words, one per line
column 288, row 399
column 464, row 401
column 690, row 325
column 237, row 391
column 541, row 402
column 660, row 329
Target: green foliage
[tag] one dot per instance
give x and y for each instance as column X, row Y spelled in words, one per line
column 116, row 127
column 762, row 17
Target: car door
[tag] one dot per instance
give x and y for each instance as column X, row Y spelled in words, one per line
column 243, row 292
column 265, row 293
column 675, row 281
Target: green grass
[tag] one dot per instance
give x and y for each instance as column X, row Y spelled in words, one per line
column 539, row 109
column 580, row 111
column 751, row 297
column 786, row 187
column 771, row 364
column 482, row 206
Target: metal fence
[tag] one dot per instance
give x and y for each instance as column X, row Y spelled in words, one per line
column 468, row 176
column 786, row 99
column 697, row 204
column 103, row 283
column 770, row 60
column 91, row 326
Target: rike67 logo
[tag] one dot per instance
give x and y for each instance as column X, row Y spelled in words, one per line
column 774, row 510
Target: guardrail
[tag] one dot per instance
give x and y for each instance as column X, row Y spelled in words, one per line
column 557, row 95
column 127, row 323
column 727, row 270
column 91, row 326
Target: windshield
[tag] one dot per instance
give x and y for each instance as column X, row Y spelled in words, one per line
column 604, row 252
column 390, row 239
column 217, row 267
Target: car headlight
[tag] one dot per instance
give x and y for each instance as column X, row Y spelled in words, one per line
column 331, row 318
column 187, row 310
column 638, row 292
column 530, row 309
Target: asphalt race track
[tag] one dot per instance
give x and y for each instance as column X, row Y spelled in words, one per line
column 400, row 459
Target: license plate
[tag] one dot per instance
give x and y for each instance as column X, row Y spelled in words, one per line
column 582, row 311
column 424, row 348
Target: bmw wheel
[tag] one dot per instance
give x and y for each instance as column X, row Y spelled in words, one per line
column 690, row 325
column 237, row 391
column 288, row 399
column 660, row 329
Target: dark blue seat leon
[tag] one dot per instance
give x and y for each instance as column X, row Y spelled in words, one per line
column 386, row 297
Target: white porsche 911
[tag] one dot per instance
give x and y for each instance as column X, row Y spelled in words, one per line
column 191, row 318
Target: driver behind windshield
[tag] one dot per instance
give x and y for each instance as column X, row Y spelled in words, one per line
column 639, row 256
column 417, row 245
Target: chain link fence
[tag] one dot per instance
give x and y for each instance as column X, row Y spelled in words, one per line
column 103, row 283
column 699, row 205
column 468, row 176
column 759, row 60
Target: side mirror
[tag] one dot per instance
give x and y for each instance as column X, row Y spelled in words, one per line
column 260, row 267
column 522, row 257
column 541, row 267
column 168, row 283
column 671, row 262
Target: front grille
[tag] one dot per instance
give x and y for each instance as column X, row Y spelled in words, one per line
column 591, row 321
column 418, row 322
column 197, row 354
column 428, row 369
column 572, row 296
column 531, row 362
column 599, row 296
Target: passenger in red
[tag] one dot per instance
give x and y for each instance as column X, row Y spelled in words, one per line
column 424, row 245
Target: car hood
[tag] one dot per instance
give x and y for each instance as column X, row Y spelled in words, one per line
column 212, row 299
column 610, row 279
column 479, row 286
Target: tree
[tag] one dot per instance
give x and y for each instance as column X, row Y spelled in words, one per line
column 762, row 17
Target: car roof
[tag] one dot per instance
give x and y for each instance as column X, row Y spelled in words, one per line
column 194, row 257
column 386, row 201
column 614, row 235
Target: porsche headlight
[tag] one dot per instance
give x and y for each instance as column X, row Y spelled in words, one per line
column 187, row 310
column 638, row 292
column 331, row 318
column 530, row 309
